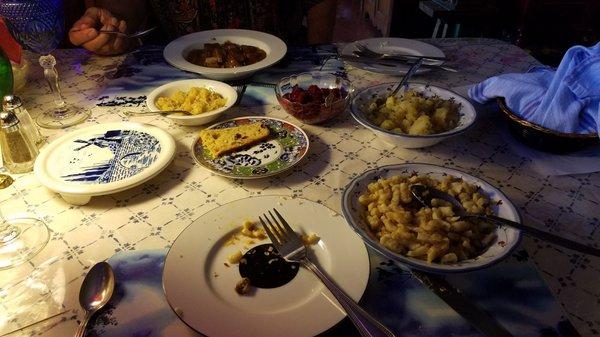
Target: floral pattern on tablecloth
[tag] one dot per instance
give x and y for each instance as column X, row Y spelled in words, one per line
column 151, row 215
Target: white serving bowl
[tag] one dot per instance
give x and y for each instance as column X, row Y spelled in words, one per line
column 185, row 85
column 507, row 238
column 176, row 51
column 363, row 98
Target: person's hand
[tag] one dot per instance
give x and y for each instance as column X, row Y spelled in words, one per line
column 85, row 32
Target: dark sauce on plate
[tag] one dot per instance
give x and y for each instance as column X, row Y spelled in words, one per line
column 266, row 268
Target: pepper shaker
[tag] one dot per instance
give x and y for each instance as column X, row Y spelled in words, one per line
column 14, row 103
column 18, row 150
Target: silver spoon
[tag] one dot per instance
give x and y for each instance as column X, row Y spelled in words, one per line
column 150, row 113
column 424, row 194
column 403, row 84
column 96, row 291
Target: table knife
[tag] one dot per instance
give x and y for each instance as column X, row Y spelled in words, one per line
column 471, row 312
column 392, row 63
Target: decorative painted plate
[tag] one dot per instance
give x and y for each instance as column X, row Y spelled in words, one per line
column 103, row 159
column 199, row 282
column 285, row 147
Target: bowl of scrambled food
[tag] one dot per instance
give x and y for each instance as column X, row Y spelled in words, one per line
column 202, row 100
column 379, row 206
column 421, row 116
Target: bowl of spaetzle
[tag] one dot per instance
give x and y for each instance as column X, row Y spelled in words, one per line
column 421, row 116
column 379, row 206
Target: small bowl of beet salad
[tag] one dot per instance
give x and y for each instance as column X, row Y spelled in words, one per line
column 314, row 97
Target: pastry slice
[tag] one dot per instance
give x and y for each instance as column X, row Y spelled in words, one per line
column 221, row 141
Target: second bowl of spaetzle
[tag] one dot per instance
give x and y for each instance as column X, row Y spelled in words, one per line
column 379, row 206
column 422, row 116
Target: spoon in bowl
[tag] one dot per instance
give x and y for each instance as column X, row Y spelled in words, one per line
column 96, row 291
column 424, row 194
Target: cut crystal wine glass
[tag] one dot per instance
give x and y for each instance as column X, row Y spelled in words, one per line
column 39, row 26
column 21, row 237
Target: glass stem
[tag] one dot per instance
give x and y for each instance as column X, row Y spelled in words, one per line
column 48, row 62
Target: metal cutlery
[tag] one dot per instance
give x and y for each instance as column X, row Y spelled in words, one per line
column 125, row 35
column 424, row 194
column 96, row 291
column 393, row 63
column 151, row 113
column 470, row 311
column 366, row 52
column 403, row 83
column 289, row 245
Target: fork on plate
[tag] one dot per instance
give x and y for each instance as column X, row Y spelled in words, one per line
column 290, row 246
column 367, row 52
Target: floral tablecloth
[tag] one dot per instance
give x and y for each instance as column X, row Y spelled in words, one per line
column 150, row 216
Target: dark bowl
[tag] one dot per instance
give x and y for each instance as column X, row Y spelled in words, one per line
column 543, row 139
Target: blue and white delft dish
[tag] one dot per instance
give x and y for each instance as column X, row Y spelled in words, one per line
column 361, row 101
column 507, row 238
column 103, row 159
column 285, row 147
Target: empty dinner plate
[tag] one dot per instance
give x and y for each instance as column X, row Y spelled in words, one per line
column 394, row 45
column 103, row 159
column 199, row 281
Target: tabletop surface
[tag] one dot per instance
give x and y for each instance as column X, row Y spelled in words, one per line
column 150, row 216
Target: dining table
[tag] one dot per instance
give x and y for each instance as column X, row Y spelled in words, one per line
column 150, row 216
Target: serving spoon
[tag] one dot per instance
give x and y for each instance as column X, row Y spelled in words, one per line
column 150, row 113
column 424, row 194
column 96, row 291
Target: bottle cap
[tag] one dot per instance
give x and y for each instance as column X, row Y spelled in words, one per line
column 8, row 119
column 11, row 102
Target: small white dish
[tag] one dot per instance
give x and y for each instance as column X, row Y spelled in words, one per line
column 200, row 287
column 176, row 51
column 103, row 159
column 506, row 241
column 467, row 115
column 394, row 45
column 168, row 89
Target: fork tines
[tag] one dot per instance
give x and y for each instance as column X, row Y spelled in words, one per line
column 278, row 231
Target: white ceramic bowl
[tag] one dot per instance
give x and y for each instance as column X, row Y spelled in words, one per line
column 507, row 237
column 363, row 98
column 273, row 46
column 185, row 85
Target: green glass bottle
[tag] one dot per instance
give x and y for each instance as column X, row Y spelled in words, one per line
column 6, row 75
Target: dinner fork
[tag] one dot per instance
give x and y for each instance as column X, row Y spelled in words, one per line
column 289, row 245
column 367, row 52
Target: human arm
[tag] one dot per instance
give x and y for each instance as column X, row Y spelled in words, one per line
column 112, row 16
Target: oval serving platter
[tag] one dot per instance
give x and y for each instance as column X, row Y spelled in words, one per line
column 285, row 147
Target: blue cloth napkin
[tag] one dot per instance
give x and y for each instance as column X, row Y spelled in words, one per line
column 566, row 99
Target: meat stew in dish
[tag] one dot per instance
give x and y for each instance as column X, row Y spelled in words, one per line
column 226, row 55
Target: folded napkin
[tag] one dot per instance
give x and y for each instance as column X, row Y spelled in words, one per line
column 566, row 99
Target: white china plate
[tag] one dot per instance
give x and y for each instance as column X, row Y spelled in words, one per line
column 185, row 85
column 507, row 237
column 200, row 288
column 176, row 51
column 103, row 159
column 394, row 45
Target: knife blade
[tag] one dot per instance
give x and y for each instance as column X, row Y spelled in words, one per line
column 471, row 312
column 391, row 63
